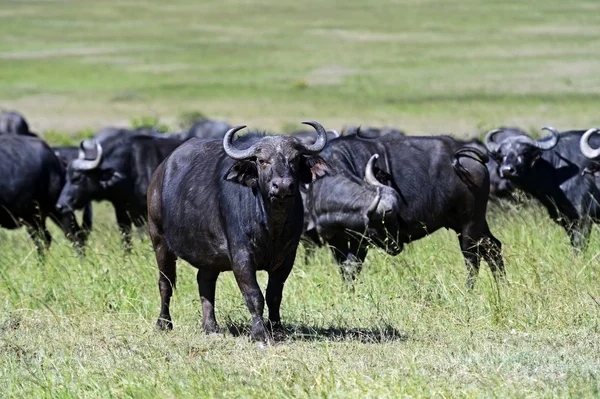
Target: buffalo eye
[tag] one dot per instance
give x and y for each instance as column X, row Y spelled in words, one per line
column 263, row 163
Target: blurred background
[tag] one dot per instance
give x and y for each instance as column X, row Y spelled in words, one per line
column 426, row 66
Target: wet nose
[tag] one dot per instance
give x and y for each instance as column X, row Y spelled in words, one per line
column 507, row 170
column 283, row 187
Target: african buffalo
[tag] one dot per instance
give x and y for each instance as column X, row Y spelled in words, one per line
column 551, row 170
column 32, row 177
column 117, row 171
column 438, row 183
column 223, row 206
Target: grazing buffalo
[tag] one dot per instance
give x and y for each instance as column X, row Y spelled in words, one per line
column 232, row 206
column 438, row 183
column 12, row 122
column 551, row 170
column 342, row 210
column 117, row 171
column 32, row 177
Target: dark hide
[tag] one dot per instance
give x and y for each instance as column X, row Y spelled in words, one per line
column 220, row 214
column 32, row 177
column 556, row 178
column 437, row 188
column 122, row 178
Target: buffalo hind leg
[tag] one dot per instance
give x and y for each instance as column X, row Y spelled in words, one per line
column 491, row 250
column 167, row 278
column 245, row 275
column 207, row 282
column 478, row 242
column 469, row 247
column 277, row 280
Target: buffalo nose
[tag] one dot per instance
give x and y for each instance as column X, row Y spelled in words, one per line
column 507, row 170
column 283, row 187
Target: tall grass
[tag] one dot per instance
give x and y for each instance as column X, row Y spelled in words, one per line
column 84, row 326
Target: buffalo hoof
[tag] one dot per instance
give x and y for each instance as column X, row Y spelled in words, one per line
column 164, row 324
column 260, row 332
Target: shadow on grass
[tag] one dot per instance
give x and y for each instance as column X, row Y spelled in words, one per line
column 307, row 333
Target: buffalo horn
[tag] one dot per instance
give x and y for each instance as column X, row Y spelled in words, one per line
column 584, row 145
column 369, row 175
column 321, row 138
column 84, row 164
column 234, row 152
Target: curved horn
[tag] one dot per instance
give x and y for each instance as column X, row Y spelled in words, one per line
column 321, row 138
column 550, row 144
column 490, row 144
column 584, row 145
column 373, row 207
column 234, row 152
column 334, row 133
column 84, row 164
column 369, row 175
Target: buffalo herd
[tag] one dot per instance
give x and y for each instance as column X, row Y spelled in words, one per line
column 243, row 204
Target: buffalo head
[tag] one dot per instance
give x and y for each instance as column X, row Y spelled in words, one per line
column 86, row 178
column 517, row 154
column 276, row 165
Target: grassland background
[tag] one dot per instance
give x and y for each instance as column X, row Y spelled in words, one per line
column 84, row 327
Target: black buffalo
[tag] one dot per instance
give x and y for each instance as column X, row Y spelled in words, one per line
column 551, row 170
column 117, row 171
column 370, row 132
column 350, row 213
column 437, row 182
column 32, row 177
column 232, row 206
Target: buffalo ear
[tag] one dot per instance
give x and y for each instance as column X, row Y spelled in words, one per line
column 313, row 168
column 110, row 178
column 244, row 173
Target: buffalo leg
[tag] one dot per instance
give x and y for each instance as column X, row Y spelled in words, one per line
column 349, row 254
column 492, row 253
column 124, row 223
column 207, row 282
column 277, row 280
column 68, row 224
column 579, row 233
column 167, row 277
column 470, row 250
column 41, row 237
column 245, row 275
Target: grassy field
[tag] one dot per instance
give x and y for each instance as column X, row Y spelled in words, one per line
column 84, row 326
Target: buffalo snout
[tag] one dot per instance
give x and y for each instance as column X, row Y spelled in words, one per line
column 283, row 187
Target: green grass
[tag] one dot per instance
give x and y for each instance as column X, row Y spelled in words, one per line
column 426, row 66
column 84, row 327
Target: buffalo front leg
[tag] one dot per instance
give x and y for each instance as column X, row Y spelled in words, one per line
column 124, row 223
column 245, row 275
column 40, row 235
column 277, row 280
column 207, row 282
